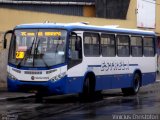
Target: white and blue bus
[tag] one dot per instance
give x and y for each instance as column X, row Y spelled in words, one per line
column 54, row 58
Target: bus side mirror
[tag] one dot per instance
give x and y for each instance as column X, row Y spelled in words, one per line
column 5, row 39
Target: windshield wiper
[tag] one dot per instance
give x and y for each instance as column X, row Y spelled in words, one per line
column 35, row 54
column 36, row 48
column 28, row 52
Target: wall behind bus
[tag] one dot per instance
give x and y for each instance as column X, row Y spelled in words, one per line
column 1, row 39
column 13, row 17
column 158, row 17
column 3, row 68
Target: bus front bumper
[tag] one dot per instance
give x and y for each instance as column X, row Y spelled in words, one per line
column 46, row 87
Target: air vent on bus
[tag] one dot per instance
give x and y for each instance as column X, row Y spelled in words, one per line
column 33, row 72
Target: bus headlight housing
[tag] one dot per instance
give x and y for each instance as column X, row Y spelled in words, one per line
column 58, row 77
column 10, row 76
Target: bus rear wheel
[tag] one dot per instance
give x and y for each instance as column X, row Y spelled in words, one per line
column 136, row 86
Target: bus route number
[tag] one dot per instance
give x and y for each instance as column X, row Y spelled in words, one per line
column 19, row 55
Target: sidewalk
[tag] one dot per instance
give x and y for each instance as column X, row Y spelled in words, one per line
column 5, row 95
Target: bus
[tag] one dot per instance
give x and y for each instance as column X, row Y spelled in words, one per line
column 77, row 58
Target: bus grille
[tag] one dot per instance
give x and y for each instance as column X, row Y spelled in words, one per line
column 33, row 72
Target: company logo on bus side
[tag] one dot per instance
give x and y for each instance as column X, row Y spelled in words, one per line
column 115, row 65
column 32, row 78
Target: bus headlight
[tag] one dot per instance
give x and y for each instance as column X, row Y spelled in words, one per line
column 10, row 76
column 57, row 77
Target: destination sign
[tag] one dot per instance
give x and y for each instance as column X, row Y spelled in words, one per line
column 19, row 55
column 40, row 34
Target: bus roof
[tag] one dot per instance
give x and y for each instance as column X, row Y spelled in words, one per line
column 82, row 26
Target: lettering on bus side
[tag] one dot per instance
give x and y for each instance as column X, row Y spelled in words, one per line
column 115, row 65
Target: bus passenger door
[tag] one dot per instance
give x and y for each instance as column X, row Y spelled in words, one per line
column 75, row 50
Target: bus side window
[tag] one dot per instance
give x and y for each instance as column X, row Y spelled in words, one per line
column 108, row 45
column 136, row 46
column 91, row 44
column 123, row 45
column 75, row 51
column 148, row 47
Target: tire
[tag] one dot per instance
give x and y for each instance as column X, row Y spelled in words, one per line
column 135, row 87
column 88, row 89
column 38, row 97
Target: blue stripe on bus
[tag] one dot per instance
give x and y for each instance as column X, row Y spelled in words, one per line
column 133, row 64
column 100, row 65
column 94, row 65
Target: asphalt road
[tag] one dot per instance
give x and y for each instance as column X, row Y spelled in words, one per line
column 113, row 105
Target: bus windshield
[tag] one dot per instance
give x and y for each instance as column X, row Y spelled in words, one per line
column 38, row 47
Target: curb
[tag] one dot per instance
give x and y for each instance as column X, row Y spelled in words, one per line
column 16, row 98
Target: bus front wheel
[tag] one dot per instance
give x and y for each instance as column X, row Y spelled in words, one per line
column 38, row 97
column 88, row 89
column 135, row 87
